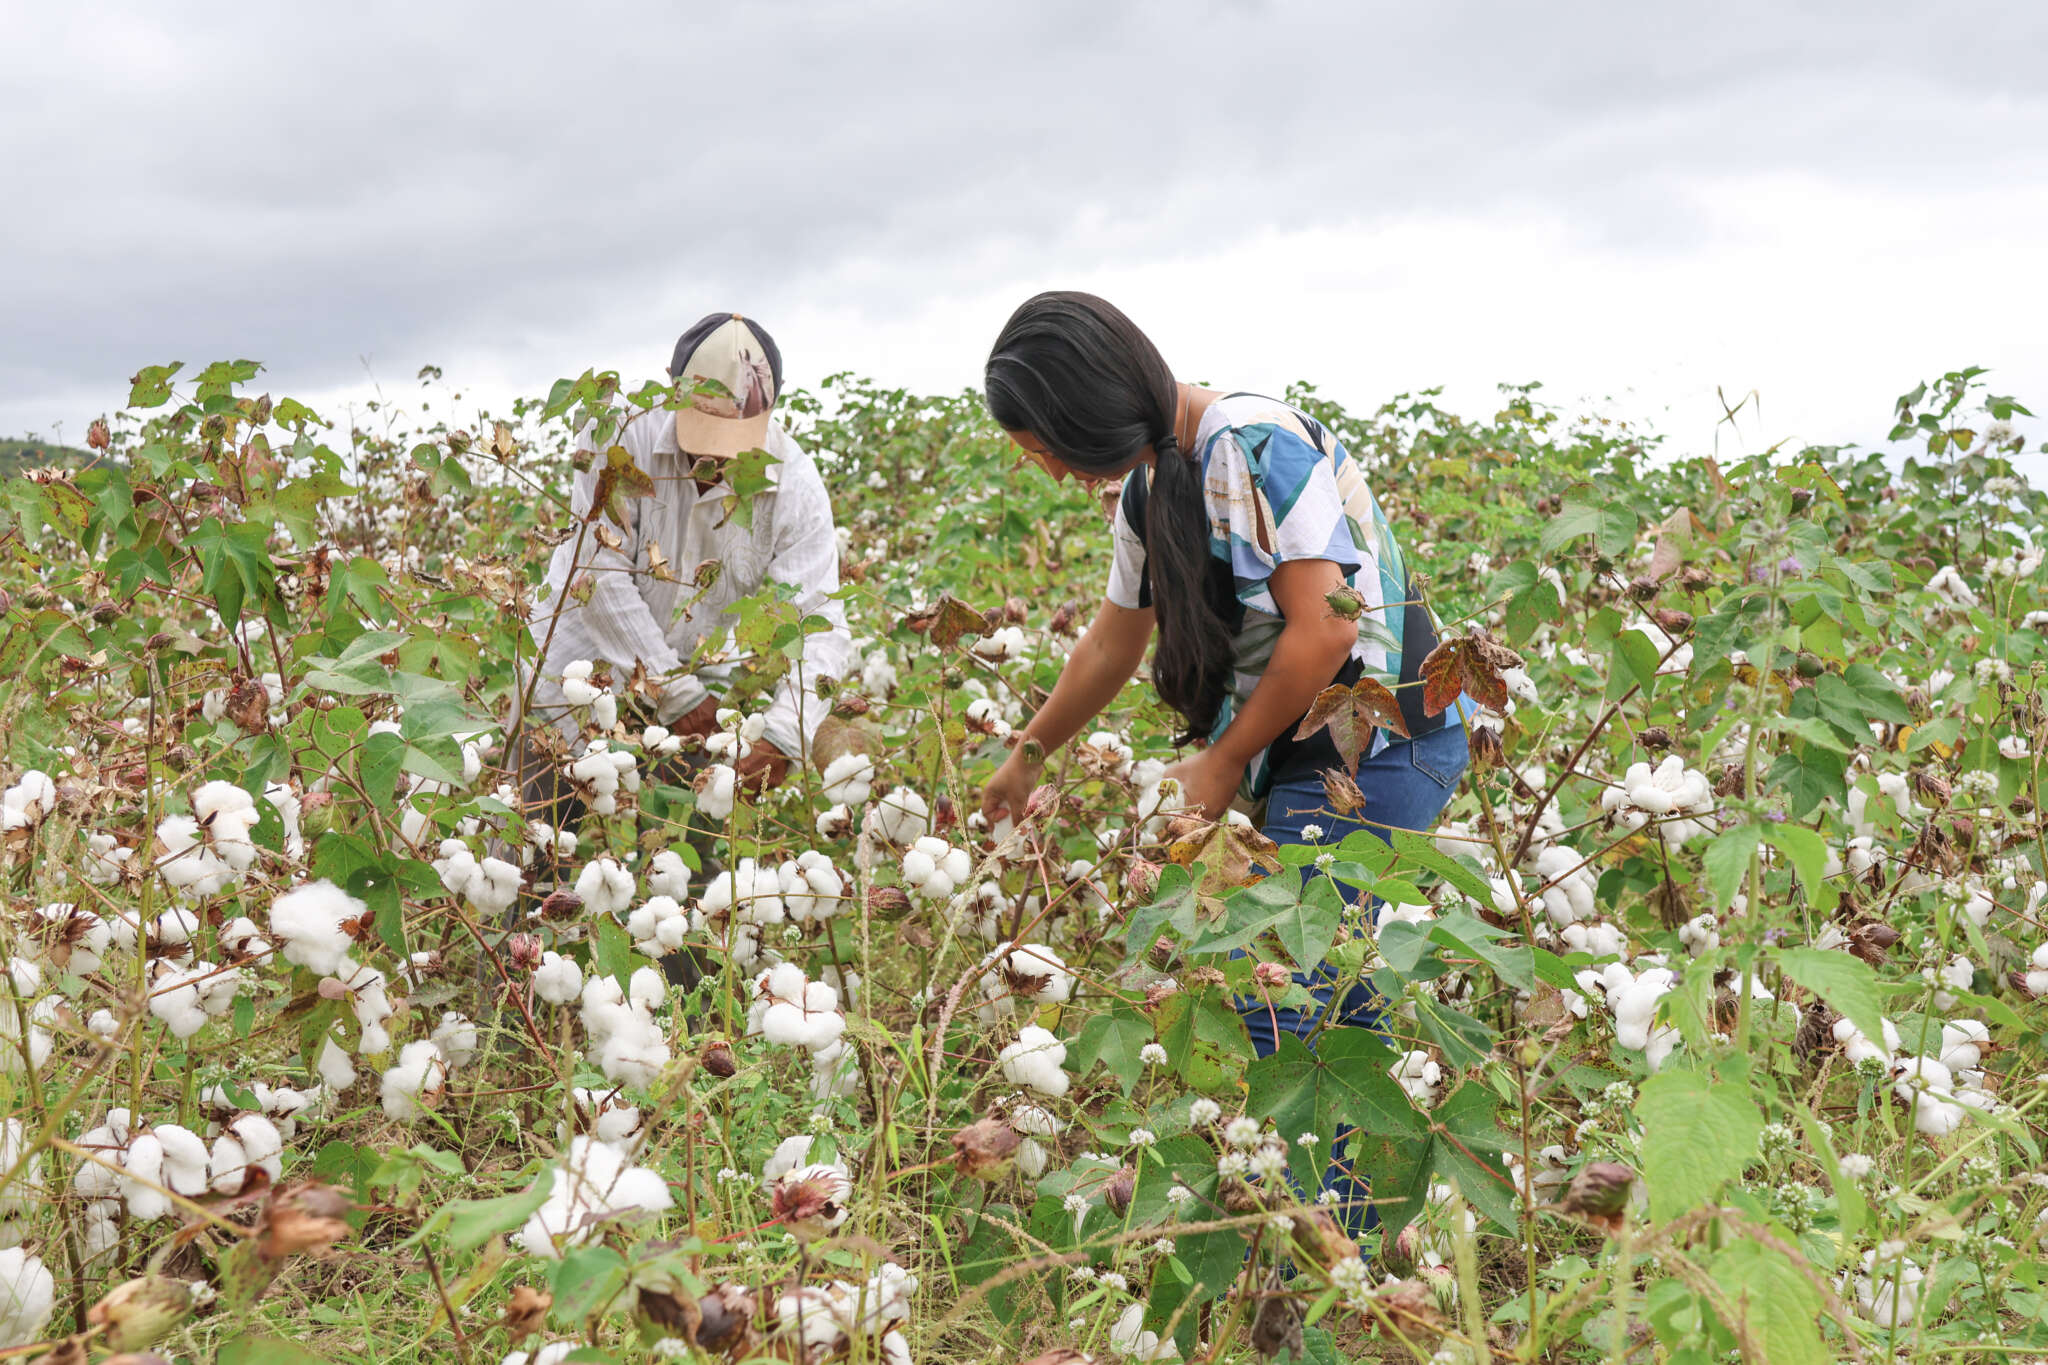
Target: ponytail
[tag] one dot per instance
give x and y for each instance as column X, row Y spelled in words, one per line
column 1077, row 374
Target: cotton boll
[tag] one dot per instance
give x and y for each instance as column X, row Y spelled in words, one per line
column 901, row 817
column 1032, row 974
column 1035, row 1061
column 187, row 864
column 576, row 686
column 456, row 1035
column 812, row 888
column 593, row 1184
column 717, row 788
column 309, row 921
column 1128, row 1336
column 142, row 1168
column 605, row 886
column 932, row 868
column 558, row 980
column 647, row 988
column 371, row 1003
column 1637, row 1006
column 495, row 888
column 834, row 822
column 635, row 1053
column 416, row 1081
column 668, row 875
column 28, row 1295
column 604, row 711
column 1419, row 1075
column 174, row 998
column 1700, row 934
column 658, row 927
column 252, row 1142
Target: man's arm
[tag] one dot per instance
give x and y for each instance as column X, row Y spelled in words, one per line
column 806, row 553
column 614, row 623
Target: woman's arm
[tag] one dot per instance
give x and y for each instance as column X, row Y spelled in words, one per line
column 1311, row 649
column 1108, row 653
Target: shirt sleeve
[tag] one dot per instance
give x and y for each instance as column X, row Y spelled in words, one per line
column 1275, row 495
column 806, row 555
column 614, row 623
column 1129, row 586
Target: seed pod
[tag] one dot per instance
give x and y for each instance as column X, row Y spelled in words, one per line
column 1693, row 578
column 525, row 951
column 142, row 1311
column 1341, row 791
column 985, row 1149
column 1642, row 589
column 888, row 902
column 1141, row 878
column 526, row 1312
column 1116, row 1195
column 307, row 1217
column 1672, row 621
column 1599, row 1193
column 717, row 1059
column 1318, row 1238
column 725, row 1321
column 1163, row 954
column 1014, row 610
column 849, row 705
column 561, row 903
column 1488, row 752
column 97, row 437
column 1655, row 737
column 1346, row 602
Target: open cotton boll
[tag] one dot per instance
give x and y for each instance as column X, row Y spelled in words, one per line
column 250, row 1142
column 456, row 1035
column 187, row 865
column 978, row 913
column 610, row 1118
column 834, row 822
column 849, row 779
column 30, row 801
column 309, row 922
column 1636, row 1006
column 1963, row 1043
column 789, row 1154
column 558, row 980
column 901, row 817
column 1128, row 1336
column 416, row 1082
column 1001, row 645
column 658, row 927
column 668, row 875
column 605, row 886
column 593, row 1184
column 577, row 689
column 2036, row 978
column 104, row 859
column 183, row 1165
column 28, row 1295
column 812, row 888
column 835, row 1072
column 142, row 1167
column 495, row 887
column 1035, row 1061
column 372, row 1004
column 1032, row 974
column 932, row 868
column 1107, row 753
column 227, row 813
column 717, row 788
column 1420, row 1075
column 635, row 1051
column 1889, row 1292
column 791, row 1010
column 1700, row 934
column 174, row 999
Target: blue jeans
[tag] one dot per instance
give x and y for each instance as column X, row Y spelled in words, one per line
column 1406, row 786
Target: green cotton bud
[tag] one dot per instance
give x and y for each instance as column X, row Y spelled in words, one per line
column 142, row 1311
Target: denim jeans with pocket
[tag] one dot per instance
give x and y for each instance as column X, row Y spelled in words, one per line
column 1406, row 786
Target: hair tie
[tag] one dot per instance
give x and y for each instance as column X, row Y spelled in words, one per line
column 1166, row 445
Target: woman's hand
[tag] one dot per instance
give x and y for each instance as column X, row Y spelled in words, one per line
column 1011, row 787
column 1208, row 780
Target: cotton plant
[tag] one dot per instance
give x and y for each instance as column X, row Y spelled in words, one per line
column 594, row 1184
column 31, row 800
column 790, row 1009
column 1035, row 1061
column 658, row 926
column 899, row 818
column 737, row 905
column 1680, row 800
column 736, row 735
column 932, row 868
column 415, row 1082
column 489, row 885
column 813, row 890
column 626, row 1042
column 1030, row 975
column 606, row 887
column 604, row 773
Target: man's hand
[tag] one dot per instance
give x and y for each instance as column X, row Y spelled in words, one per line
column 701, row 722
column 1009, row 790
column 1207, row 782
column 764, row 766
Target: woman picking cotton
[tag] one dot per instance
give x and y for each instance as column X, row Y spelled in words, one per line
column 1240, row 516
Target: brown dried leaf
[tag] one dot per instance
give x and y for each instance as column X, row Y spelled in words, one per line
column 1351, row 714
column 1229, row 852
column 1469, row 664
column 955, row 619
column 526, row 1312
column 657, row 563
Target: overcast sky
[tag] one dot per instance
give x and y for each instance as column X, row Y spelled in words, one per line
column 1633, row 203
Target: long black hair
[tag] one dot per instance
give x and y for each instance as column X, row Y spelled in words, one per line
column 1073, row 371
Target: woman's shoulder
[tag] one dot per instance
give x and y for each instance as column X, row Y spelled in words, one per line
column 1250, row 420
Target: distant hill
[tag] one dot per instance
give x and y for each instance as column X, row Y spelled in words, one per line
column 17, row 455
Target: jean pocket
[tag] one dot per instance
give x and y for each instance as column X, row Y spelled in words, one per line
column 1441, row 757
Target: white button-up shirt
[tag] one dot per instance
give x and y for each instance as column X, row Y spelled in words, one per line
column 634, row 617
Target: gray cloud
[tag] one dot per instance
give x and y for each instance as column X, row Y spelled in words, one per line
column 421, row 181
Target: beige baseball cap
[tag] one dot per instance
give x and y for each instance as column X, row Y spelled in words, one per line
column 738, row 353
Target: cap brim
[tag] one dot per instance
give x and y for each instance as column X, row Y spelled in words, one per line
column 700, row 433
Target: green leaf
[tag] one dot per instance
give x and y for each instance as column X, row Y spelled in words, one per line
column 587, row 1278
column 1513, row 963
column 1344, row 1084
column 151, row 385
column 1777, row 1307
column 1113, row 1038
column 1611, row 524
column 1635, row 665
column 472, row 1222
column 1696, row 1137
column 1204, row 1039
column 1727, row 859
column 1809, row 855
column 1845, row 981
column 1809, row 778
column 1420, row 849
column 248, row 1350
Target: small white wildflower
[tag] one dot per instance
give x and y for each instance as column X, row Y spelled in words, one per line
column 1152, row 1054
column 1312, row 833
column 1204, row 1112
column 1143, row 1137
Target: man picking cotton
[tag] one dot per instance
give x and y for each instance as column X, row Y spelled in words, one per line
column 623, row 595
